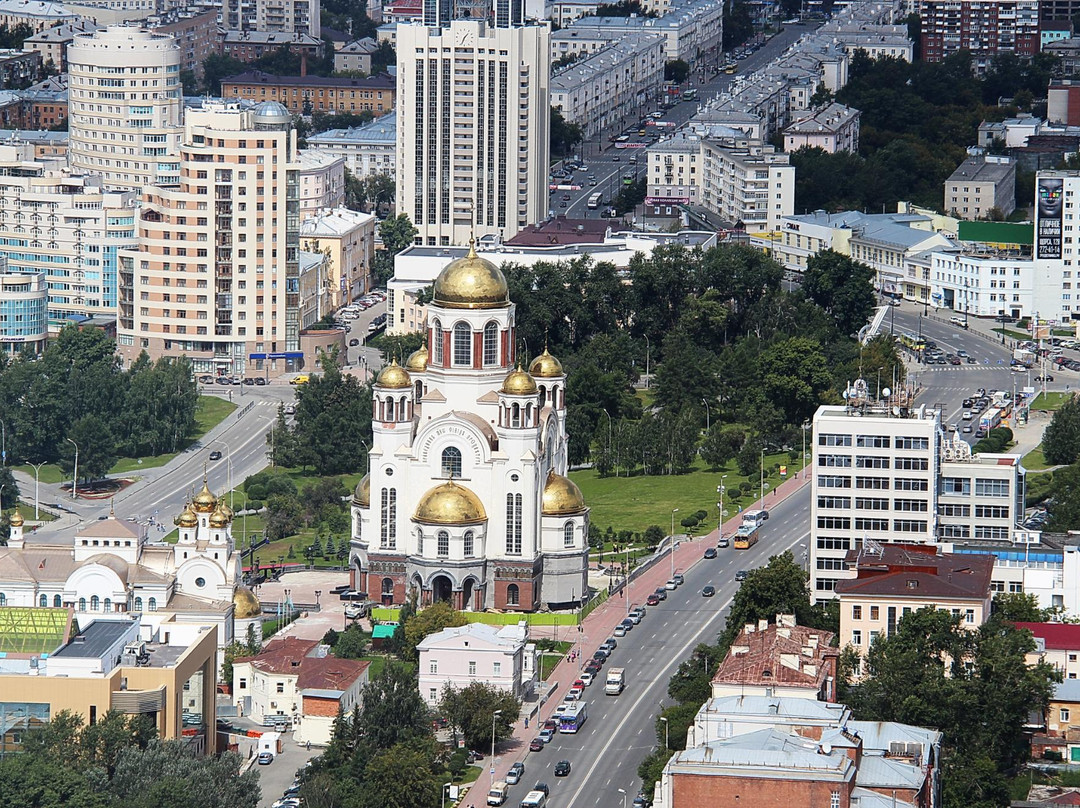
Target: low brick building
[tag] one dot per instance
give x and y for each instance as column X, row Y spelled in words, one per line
column 303, row 95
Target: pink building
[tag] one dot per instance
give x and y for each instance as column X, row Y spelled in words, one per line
column 459, row 656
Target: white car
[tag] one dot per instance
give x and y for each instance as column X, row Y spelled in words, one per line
column 586, row 677
column 354, row 610
column 620, row 631
column 671, row 584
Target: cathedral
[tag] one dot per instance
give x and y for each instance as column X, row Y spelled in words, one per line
column 466, row 499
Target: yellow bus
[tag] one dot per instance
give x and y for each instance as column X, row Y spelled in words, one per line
column 745, row 537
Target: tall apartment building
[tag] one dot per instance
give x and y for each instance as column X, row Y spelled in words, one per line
column 125, row 107
column 885, row 474
column 65, row 226
column 986, row 28
column 473, row 141
column 216, row 274
column 1057, row 253
column 754, row 185
column 273, row 16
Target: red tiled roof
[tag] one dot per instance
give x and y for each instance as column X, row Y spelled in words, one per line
column 776, row 655
column 283, row 655
column 561, row 230
column 330, row 673
column 1059, row 636
column 899, row 570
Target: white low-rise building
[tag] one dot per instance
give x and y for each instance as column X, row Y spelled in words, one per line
column 321, row 177
column 368, row 150
column 981, row 186
column 982, row 280
column 456, row 657
column 356, row 56
column 689, row 30
column 674, row 173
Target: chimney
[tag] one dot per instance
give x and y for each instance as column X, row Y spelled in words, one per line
column 303, row 65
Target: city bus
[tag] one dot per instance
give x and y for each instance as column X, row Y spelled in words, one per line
column 912, row 342
column 574, row 717
column 745, row 537
column 689, row 95
column 594, row 201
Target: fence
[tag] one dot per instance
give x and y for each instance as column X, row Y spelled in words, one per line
column 388, row 614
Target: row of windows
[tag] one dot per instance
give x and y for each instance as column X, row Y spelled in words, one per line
column 461, row 344
column 96, row 603
column 983, row 487
column 874, row 441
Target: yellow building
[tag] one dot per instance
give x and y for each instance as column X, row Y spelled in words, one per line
column 50, row 663
column 347, row 239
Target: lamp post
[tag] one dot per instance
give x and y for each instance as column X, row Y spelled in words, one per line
column 623, row 792
column 228, row 461
column 75, row 476
column 672, row 553
column 318, row 594
column 491, row 768
column 720, row 508
column 3, row 444
column 706, row 403
column 667, row 728
column 37, row 487
column 763, row 478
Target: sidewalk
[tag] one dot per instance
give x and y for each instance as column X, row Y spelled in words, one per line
column 598, row 626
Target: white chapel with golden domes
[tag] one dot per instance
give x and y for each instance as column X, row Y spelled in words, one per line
column 467, row 500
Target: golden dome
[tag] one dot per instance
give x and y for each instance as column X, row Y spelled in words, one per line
column 16, row 519
column 450, row 504
column 223, row 506
column 187, row 517
column 471, row 283
column 218, row 519
column 245, row 604
column 561, row 496
column 205, row 501
column 362, row 495
column 546, row 366
column 394, row 377
column 519, row 383
column 418, row 359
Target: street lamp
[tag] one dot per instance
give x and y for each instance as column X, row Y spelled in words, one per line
column 491, row 769
column 720, row 507
column 318, row 594
column 673, row 512
column 706, row 403
column 75, row 476
column 37, row 488
column 667, row 727
column 228, row 460
column 3, row 444
column 623, row 792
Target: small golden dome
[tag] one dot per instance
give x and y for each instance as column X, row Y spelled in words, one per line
column 546, row 366
column 223, row 506
column 450, row 504
column 205, row 501
column 418, row 359
column 519, row 383
column 362, row 495
column 394, row 377
column 187, row 517
column 245, row 604
column 16, row 519
column 561, row 496
column 471, row 283
column 218, row 519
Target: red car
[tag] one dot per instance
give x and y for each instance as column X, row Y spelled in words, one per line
column 652, row 600
column 536, row 745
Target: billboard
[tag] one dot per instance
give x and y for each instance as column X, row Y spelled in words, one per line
column 1048, row 206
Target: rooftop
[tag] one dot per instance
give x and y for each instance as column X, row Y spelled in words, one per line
column 983, row 169
column 329, row 674
column 30, row 630
column 382, row 130
column 95, row 640
column 336, row 222
column 562, row 230
column 382, row 81
column 778, row 654
column 831, row 118
column 283, row 655
column 916, row 571
column 1055, row 636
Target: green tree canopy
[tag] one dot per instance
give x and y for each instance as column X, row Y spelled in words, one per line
column 471, row 710
column 430, row 620
column 841, row 286
column 1061, row 438
column 393, row 711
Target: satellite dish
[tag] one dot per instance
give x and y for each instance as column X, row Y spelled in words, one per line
column 896, row 411
column 885, row 391
column 846, row 394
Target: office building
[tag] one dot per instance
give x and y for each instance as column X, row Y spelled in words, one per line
column 674, row 171
column 500, row 656
column 216, row 275
column 125, row 105
column 752, row 186
column 1056, row 249
column 24, row 313
column 473, row 151
column 368, row 150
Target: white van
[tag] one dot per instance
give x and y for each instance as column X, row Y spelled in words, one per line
column 534, row 799
column 498, row 793
column 755, row 518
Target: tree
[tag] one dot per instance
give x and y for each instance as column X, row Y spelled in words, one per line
column 430, row 620
column 1017, row 607
column 393, row 711
column 686, row 375
column 332, row 424
column 692, row 682
column 168, row 773
column 397, row 233
column 400, row 777
column 1065, row 493
column 96, row 448
column 1061, row 439
column 9, row 489
column 283, row 516
column 721, row 445
column 351, row 643
column 43, row 782
column 563, row 135
column 105, row 740
column 842, row 286
column 777, row 588
column 794, row 377
column 677, row 71
column 472, row 708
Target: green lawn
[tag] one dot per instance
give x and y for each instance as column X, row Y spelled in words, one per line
column 548, row 663
column 634, row 503
column 1050, row 401
column 1035, row 460
column 1008, row 332
column 211, row 411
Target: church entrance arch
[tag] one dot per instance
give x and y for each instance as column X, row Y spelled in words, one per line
column 442, row 589
column 467, row 589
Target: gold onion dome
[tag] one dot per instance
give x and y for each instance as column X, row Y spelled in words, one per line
column 205, row 501
column 187, row 517
column 218, row 519
column 223, row 506
column 418, row 359
column 394, row 377
column 362, row 494
column 546, row 366
column 471, row 282
column 450, row 504
column 16, row 519
column 561, row 496
column 519, row 383
column 245, row 604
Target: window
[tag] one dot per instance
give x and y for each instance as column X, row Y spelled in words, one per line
column 243, row 684
column 568, row 534
column 871, row 503
column 969, row 615
column 954, row 510
column 856, row 637
column 833, row 481
column 870, row 462
column 871, row 524
column 451, row 462
column 388, row 586
column 443, row 543
column 107, row 605
column 57, row 602
column 912, row 463
column 955, row 532
column 912, row 443
column 991, row 511
column 491, row 344
column 909, row 525
column 468, row 542
column 856, row 612
column 834, row 461
column 831, row 564
column 872, row 483
column 437, row 339
column 462, row 345
column 834, row 799
column 834, row 440
column 432, row 694
column 955, row 485
column 280, row 687
column 833, row 543
column 911, row 505
column 496, row 668
column 875, row 612
column 433, row 666
column 872, row 441
column 43, row 600
column 985, row 532
column 834, row 522
column 1064, row 715
column 513, row 596
column 906, row 484
column 95, row 603
column 991, row 488
column 834, row 502
column 388, row 519
column 138, row 604
column 82, row 602
column 472, row 667
column 513, row 524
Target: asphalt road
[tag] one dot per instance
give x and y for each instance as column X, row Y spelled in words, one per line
column 620, row 732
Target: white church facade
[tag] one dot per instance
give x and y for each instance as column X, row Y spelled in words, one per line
column 466, row 500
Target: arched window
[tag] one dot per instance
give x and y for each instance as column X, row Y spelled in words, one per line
column 151, row 604
column 451, row 462
column 543, row 396
column 515, row 415
column 388, row 525
column 568, row 534
column 43, row 600
column 419, row 391
column 444, row 543
column 388, row 586
column 57, row 601
column 403, row 411
column 491, row 344
column 462, row 345
column 82, row 603
column 389, row 409
column 437, row 339
column 95, row 603
column 108, row 604
column 513, row 524
column 138, row 604
column 513, row 595
column 468, row 542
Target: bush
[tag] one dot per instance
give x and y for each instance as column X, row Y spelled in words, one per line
column 260, row 479
column 280, row 485
column 701, row 515
column 690, row 521
column 255, row 505
column 255, row 491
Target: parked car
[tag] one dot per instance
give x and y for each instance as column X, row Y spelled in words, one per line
column 661, row 594
column 628, row 623
column 671, row 584
column 513, row 777
column 265, row 758
column 301, row 379
column 587, row 676
column 679, row 579
column 546, row 735
column 536, row 745
column 619, row 631
column 260, row 381
column 653, row 600
column 723, row 542
column 610, row 643
column 354, row 342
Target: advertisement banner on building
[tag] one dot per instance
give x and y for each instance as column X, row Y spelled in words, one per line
column 1048, row 206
